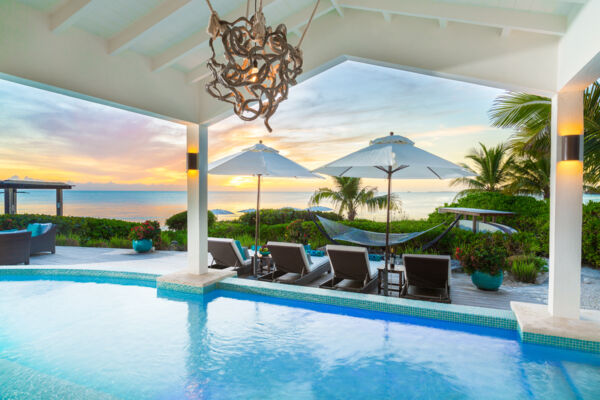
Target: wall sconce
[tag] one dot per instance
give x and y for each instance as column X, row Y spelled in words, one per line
column 571, row 148
column 192, row 161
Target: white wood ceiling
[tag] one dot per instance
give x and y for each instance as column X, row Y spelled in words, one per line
column 171, row 33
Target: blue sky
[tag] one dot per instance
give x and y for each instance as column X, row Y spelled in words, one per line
column 49, row 136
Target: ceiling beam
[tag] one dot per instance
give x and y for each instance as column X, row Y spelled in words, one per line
column 484, row 16
column 65, row 16
column 337, row 7
column 137, row 29
column 197, row 74
column 193, row 42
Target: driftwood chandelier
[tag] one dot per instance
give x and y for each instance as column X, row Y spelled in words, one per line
column 257, row 66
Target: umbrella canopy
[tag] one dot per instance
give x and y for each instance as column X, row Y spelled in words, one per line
column 259, row 160
column 393, row 157
column 290, row 208
column 220, row 211
column 247, row 210
column 398, row 154
column 319, row 208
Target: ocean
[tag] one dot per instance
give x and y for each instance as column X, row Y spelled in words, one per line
column 160, row 205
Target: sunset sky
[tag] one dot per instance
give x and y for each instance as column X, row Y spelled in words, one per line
column 53, row 137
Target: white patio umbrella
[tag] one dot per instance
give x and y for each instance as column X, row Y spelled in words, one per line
column 220, row 211
column 392, row 157
column 259, row 160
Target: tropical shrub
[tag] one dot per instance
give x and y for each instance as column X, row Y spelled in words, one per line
column 70, row 240
column 149, row 230
column 296, row 233
column 178, row 222
column 283, row 216
column 487, row 254
column 524, row 271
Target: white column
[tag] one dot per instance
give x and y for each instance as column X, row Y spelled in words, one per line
column 197, row 223
column 566, row 192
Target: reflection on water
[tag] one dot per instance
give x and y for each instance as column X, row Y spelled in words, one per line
column 159, row 205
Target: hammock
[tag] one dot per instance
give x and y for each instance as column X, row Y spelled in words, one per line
column 340, row 232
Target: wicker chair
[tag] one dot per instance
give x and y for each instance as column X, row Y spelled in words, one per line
column 15, row 247
column 44, row 242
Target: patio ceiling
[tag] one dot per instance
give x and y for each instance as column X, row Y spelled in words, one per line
column 171, row 33
column 150, row 55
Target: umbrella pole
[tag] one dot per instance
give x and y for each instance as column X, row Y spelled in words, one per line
column 257, row 229
column 387, row 232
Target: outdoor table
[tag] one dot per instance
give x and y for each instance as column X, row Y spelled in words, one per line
column 475, row 213
column 265, row 264
column 392, row 286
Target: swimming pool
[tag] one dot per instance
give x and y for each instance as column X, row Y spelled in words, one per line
column 101, row 338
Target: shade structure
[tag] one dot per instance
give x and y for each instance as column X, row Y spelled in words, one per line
column 220, row 211
column 259, row 160
column 393, row 157
column 247, row 210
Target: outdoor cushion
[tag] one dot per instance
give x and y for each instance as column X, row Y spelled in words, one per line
column 241, row 249
column 8, row 231
column 44, row 228
column 35, row 229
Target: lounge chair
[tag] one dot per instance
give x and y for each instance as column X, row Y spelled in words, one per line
column 427, row 277
column 15, row 247
column 352, row 269
column 225, row 253
column 292, row 265
column 45, row 240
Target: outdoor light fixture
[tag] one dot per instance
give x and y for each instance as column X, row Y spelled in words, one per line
column 257, row 66
column 571, row 147
column 192, row 161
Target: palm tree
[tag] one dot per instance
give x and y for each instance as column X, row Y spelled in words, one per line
column 492, row 166
column 530, row 116
column 530, row 175
column 348, row 196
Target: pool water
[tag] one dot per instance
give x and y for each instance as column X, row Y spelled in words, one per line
column 83, row 339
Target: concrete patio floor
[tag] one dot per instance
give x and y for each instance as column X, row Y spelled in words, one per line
column 166, row 262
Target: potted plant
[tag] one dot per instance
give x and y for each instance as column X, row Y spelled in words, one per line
column 264, row 250
column 144, row 236
column 485, row 260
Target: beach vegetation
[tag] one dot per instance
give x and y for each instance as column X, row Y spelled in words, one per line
column 348, row 195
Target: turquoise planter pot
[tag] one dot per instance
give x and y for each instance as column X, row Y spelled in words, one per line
column 485, row 281
column 142, row 246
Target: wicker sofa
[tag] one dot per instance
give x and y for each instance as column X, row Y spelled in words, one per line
column 15, row 247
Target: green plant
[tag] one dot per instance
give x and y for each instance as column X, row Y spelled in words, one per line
column 487, row 254
column 492, row 166
column 524, row 271
column 296, row 232
column 349, row 196
column 119, row 243
column 245, row 240
column 282, row 216
column 178, row 222
column 149, row 230
column 96, row 243
column 67, row 240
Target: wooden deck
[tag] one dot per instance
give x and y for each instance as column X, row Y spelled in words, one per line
column 463, row 292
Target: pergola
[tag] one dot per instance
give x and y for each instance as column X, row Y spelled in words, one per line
column 149, row 56
column 12, row 186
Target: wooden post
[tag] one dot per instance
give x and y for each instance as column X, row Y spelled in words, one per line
column 59, row 202
column 474, row 224
column 6, row 201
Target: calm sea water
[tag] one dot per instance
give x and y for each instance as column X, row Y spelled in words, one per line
column 159, row 205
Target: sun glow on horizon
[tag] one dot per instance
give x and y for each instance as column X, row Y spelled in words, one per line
column 339, row 111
